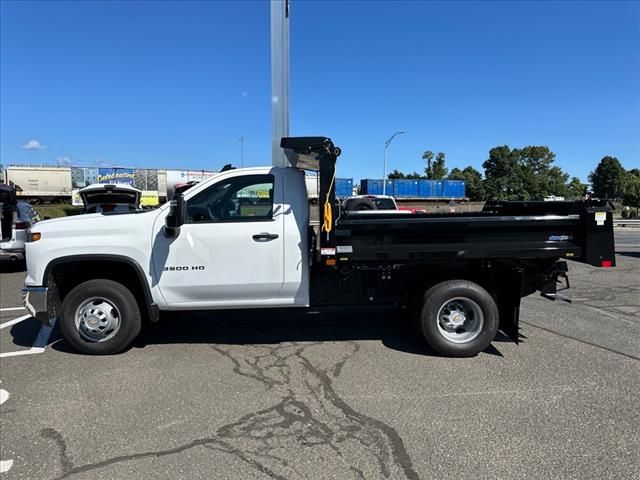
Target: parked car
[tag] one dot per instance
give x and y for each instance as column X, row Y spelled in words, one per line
column 369, row 202
column 103, row 198
column 16, row 219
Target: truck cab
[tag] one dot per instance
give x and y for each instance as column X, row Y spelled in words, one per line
column 240, row 244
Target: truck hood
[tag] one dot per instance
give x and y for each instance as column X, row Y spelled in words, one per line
column 126, row 235
column 82, row 224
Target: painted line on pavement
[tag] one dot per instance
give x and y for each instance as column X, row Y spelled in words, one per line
column 11, row 309
column 39, row 344
column 14, row 321
column 19, row 353
column 5, row 465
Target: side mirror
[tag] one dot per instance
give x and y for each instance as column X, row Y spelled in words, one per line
column 175, row 218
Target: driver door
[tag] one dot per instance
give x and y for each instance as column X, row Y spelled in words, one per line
column 230, row 250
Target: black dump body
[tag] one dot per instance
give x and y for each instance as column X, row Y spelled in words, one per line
column 511, row 231
column 511, row 248
column 503, row 230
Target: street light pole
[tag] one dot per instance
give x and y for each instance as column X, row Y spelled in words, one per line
column 279, row 79
column 241, row 139
column 384, row 171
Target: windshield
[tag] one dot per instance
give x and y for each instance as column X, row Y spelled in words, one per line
column 384, row 203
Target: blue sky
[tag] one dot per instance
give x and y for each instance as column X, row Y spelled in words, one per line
column 173, row 85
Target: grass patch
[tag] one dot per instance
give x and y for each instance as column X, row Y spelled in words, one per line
column 57, row 210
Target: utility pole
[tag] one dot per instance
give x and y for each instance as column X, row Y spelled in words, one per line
column 384, row 170
column 279, row 79
column 241, row 139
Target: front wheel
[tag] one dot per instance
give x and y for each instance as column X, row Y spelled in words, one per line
column 100, row 317
column 458, row 318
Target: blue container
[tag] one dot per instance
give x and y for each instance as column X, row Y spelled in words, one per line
column 406, row 188
column 370, row 186
column 344, row 187
column 430, row 188
column 438, row 188
column 426, row 189
column 453, row 189
column 389, row 190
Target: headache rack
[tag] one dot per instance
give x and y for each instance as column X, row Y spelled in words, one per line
column 319, row 154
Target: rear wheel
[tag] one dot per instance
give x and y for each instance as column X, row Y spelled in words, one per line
column 458, row 318
column 100, row 317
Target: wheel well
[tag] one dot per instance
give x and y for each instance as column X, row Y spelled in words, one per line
column 503, row 284
column 68, row 275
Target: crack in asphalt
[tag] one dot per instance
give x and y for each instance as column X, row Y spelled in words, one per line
column 65, row 462
column 311, row 425
column 586, row 342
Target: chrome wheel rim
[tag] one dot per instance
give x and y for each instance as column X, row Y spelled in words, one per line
column 97, row 319
column 460, row 320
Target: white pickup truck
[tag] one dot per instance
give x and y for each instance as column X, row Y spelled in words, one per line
column 242, row 239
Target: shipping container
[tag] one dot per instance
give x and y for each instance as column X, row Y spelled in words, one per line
column 453, row 189
column 344, row 187
column 426, row 189
column 46, row 183
column 370, row 186
column 403, row 188
column 438, row 186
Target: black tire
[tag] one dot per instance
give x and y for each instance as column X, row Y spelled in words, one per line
column 467, row 293
column 130, row 321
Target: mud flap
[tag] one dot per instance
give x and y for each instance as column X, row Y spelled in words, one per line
column 510, row 290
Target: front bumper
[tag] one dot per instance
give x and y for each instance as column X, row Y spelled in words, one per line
column 11, row 254
column 34, row 300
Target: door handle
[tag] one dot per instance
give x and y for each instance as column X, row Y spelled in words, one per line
column 265, row 236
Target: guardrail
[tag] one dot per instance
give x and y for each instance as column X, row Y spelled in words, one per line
column 626, row 221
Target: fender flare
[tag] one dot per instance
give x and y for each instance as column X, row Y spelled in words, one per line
column 152, row 309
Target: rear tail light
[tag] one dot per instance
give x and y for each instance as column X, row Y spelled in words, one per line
column 22, row 225
column 606, row 263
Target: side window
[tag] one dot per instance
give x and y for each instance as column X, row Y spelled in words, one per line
column 239, row 199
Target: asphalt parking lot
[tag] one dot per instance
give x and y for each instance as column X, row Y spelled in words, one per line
column 344, row 394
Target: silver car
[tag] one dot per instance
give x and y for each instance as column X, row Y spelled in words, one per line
column 16, row 218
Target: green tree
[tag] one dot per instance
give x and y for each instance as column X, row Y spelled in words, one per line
column 538, row 175
column 607, row 180
column 414, row 176
column 555, row 184
column 396, row 174
column 435, row 169
column 631, row 197
column 502, row 174
column 576, row 188
column 473, row 179
column 523, row 174
column 427, row 156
